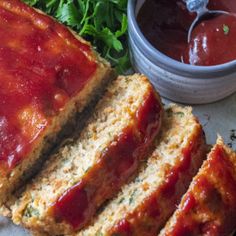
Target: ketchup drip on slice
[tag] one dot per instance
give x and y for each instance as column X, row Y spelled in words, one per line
column 123, row 154
column 74, row 198
column 154, row 210
column 181, row 230
column 223, row 169
column 205, row 197
column 42, row 66
column 189, row 202
column 123, row 228
column 168, row 189
column 150, row 211
column 116, row 164
column 148, row 117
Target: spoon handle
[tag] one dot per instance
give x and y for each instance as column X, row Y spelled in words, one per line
column 196, row 5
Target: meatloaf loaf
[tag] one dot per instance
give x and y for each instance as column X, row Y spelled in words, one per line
column 209, row 206
column 144, row 205
column 91, row 169
column 47, row 74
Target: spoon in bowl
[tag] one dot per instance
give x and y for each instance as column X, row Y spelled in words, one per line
column 200, row 7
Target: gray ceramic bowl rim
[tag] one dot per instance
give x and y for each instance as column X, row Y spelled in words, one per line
column 168, row 63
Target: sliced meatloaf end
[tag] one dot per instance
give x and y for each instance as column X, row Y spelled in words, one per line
column 209, row 206
column 144, row 205
column 90, row 170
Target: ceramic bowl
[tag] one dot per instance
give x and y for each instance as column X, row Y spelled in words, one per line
column 174, row 80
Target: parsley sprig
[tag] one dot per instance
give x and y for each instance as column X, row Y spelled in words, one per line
column 102, row 22
column 226, row 29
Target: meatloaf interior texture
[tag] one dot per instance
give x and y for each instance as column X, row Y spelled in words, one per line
column 144, row 205
column 47, row 75
column 92, row 168
column 209, row 206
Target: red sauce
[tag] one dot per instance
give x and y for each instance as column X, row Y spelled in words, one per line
column 212, row 196
column 165, row 24
column 116, row 164
column 212, row 42
column 152, row 214
column 225, row 5
column 154, row 209
column 74, row 198
column 210, row 229
column 148, row 117
column 223, row 168
column 187, row 155
column 168, row 189
column 123, row 154
column 181, row 230
column 189, row 202
column 123, row 228
column 42, row 67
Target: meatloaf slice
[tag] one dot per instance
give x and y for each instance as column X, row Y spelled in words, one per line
column 144, row 205
column 90, row 170
column 209, row 206
column 47, row 75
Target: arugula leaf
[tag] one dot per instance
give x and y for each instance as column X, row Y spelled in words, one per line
column 102, row 22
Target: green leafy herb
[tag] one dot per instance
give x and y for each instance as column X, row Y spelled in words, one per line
column 226, row 29
column 121, row 200
column 131, row 199
column 102, row 22
column 179, row 113
column 31, row 211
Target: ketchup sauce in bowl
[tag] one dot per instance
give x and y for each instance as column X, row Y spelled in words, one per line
column 200, row 71
column 213, row 42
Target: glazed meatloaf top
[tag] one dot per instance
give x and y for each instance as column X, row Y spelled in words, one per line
column 46, row 74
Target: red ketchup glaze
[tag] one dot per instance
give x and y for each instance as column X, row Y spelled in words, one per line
column 148, row 118
column 212, row 42
column 114, row 167
column 74, row 198
column 42, row 66
column 123, row 154
column 181, row 230
column 189, row 202
column 205, row 198
column 123, row 228
column 154, row 210
column 165, row 24
column 169, row 188
column 223, row 169
column 160, row 205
